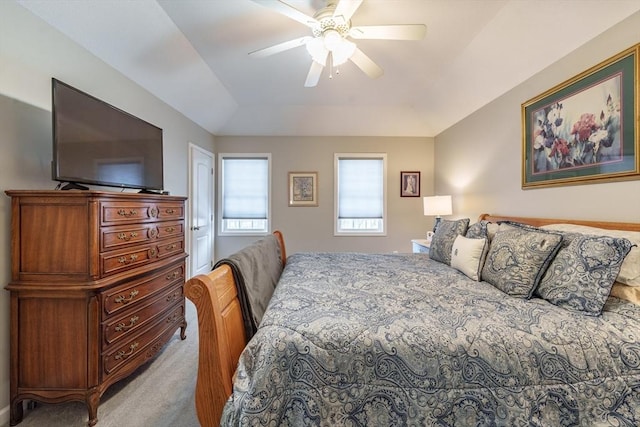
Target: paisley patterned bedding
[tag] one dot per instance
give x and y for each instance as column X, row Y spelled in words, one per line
column 399, row 339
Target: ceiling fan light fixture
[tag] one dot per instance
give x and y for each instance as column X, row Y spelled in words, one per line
column 343, row 51
column 331, row 27
column 317, row 50
column 332, row 40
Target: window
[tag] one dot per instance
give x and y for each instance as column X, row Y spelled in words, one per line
column 244, row 200
column 360, row 192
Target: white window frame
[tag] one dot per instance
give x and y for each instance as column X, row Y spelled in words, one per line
column 222, row 229
column 382, row 229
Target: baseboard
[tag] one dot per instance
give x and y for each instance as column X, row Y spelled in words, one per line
column 4, row 416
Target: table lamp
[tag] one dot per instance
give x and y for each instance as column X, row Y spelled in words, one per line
column 437, row 206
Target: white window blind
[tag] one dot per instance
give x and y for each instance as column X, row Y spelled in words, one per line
column 245, row 188
column 360, row 188
column 245, row 193
column 360, row 193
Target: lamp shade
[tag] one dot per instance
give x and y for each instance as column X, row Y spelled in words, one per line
column 437, row 205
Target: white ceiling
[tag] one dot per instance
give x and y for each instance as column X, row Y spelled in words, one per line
column 193, row 55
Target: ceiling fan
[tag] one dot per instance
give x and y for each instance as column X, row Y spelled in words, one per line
column 331, row 28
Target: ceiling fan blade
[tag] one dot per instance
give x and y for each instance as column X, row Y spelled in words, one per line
column 346, row 9
column 280, row 47
column 314, row 74
column 365, row 63
column 289, row 11
column 389, row 32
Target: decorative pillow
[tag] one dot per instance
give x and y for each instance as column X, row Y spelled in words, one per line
column 467, row 256
column 518, row 258
column 625, row 292
column 444, row 237
column 582, row 273
column 477, row 230
column 519, row 225
column 492, row 229
column 630, row 269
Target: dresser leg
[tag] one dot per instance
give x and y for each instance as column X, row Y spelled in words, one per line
column 16, row 412
column 93, row 401
column 183, row 331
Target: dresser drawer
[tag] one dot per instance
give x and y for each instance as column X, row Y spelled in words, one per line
column 170, row 247
column 123, row 235
column 129, row 211
column 145, row 312
column 119, row 212
column 115, row 261
column 119, row 298
column 170, row 229
column 168, row 211
column 133, row 352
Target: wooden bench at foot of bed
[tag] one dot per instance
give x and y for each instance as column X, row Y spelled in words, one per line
column 221, row 337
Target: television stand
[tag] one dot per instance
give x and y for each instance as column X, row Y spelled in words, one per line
column 96, row 291
column 74, row 186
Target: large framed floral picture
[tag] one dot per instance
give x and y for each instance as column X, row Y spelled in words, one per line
column 585, row 130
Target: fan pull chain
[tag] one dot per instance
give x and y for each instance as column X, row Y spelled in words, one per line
column 330, row 65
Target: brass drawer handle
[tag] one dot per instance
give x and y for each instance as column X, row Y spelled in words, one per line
column 170, row 211
column 126, row 237
column 126, row 300
column 125, row 260
column 123, row 354
column 172, row 276
column 172, row 318
column 171, row 247
column 124, row 213
column 174, row 296
column 123, row 326
column 170, row 229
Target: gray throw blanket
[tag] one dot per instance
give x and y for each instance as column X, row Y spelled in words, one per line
column 256, row 270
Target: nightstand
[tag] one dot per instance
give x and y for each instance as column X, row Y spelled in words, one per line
column 420, row 245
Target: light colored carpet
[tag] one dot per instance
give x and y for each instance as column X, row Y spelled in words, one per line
column 158, row 394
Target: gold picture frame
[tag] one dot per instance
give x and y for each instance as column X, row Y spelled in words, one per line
column 303, row 188
column 584, row 130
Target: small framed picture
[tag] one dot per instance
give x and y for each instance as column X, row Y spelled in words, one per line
column 303, row 188
column 410, row 184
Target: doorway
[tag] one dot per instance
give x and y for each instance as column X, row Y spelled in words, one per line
column 201, row 185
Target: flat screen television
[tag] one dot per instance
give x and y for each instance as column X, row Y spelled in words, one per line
column 97, row 143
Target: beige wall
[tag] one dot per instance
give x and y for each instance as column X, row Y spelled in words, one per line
column 31, row 53
column 478, row 160
column 311, row 228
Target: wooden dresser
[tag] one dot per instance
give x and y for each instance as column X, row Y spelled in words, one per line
column 96, row 290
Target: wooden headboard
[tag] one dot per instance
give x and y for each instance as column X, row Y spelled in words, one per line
column 538, row 222
column 221, row 331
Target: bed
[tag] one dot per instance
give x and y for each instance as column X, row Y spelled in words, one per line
column 404, row 339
